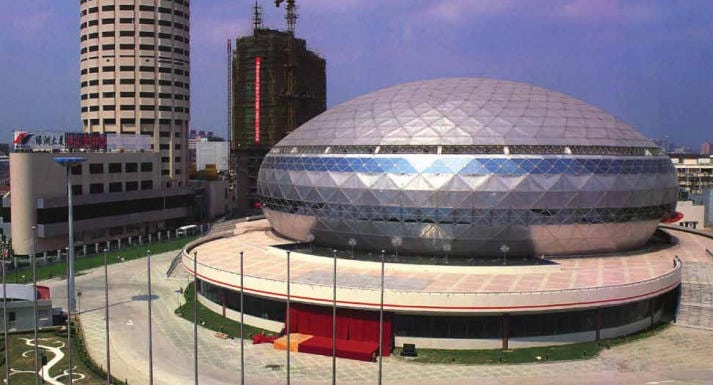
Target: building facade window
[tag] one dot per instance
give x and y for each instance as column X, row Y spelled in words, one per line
column 114, row 168
column 115, row 187
column 96, row 168
column 132, row 167
column 96, row 188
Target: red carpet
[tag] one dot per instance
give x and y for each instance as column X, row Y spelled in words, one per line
column 352, row 349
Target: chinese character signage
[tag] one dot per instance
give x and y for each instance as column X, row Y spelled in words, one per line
column 58, row 141
column 85, row 141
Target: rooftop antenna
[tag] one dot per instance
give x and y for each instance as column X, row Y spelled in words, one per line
column 290, row 93
column 257, row 17
column 291, row 15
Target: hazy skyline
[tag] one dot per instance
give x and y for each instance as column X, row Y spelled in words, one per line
column 650, row 63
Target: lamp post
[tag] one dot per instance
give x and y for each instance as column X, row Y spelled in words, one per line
column 34, row 306
column 310, row 239
column 148, row 274
column 447, row 249
column 504, row 249
column 195, row 317
column 68, row 162
column 5, row 252
column 352, row 242
column 106, row 317
column 396, row 242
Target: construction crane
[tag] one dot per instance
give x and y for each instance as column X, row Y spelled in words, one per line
column 290, row 93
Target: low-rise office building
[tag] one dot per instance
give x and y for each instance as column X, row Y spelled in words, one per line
column 19, row 307
column 115, row 195
column 694, row 172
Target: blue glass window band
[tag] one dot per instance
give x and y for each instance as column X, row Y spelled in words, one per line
column 472, row 166
column 469, row 216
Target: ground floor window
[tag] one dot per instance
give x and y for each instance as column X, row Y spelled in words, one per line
column 257, row 306
column 661, row 309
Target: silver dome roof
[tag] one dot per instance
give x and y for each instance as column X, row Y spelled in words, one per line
column 465, row 111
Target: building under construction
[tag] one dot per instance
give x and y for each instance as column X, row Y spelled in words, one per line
column 277, row 85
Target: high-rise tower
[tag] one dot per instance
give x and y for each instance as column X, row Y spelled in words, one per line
column 277, row 85
column 135, row 74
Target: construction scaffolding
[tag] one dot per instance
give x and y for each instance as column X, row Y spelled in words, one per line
column 277, row 85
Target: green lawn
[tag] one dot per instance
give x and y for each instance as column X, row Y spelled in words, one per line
column 578, row 351
column 583, row 350
column 214, row 321
column 22, row 359
column 24, row 274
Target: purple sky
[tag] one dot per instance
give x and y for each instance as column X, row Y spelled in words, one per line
column 648, row 62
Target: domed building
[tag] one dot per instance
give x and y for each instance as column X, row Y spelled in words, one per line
column 468, row 166
column 473, row 168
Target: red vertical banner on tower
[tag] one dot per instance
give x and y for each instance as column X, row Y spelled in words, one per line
column 258, row 61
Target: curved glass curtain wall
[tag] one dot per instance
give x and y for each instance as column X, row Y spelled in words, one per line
column 662, row 308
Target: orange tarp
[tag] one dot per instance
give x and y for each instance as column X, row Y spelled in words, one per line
column 295, row 340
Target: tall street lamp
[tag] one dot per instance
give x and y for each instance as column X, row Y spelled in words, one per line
column 68, row 162
column 5, row 245
column 106, row 316
column 195, row 317
column 148, row 275
column 34, row 305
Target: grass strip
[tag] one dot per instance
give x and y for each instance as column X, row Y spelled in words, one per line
column 212, row 320
column 568, row 352
column 54, row 270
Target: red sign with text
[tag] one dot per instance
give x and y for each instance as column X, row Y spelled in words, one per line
column 258, row 61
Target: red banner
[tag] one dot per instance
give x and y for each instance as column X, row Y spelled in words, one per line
column 258, row 61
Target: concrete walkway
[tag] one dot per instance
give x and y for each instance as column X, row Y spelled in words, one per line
column 678, row 355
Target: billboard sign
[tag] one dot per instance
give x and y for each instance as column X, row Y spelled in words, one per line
column 58, row 141
column 129, row 142
column 85, row 141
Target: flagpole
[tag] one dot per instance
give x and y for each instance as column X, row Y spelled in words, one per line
column 334, row 320
column 287, row 318
column 34, row 307
column 195, row 317
column 242, row 323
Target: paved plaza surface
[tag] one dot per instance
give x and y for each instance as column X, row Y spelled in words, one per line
column 678, row 355
column 567, row 274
